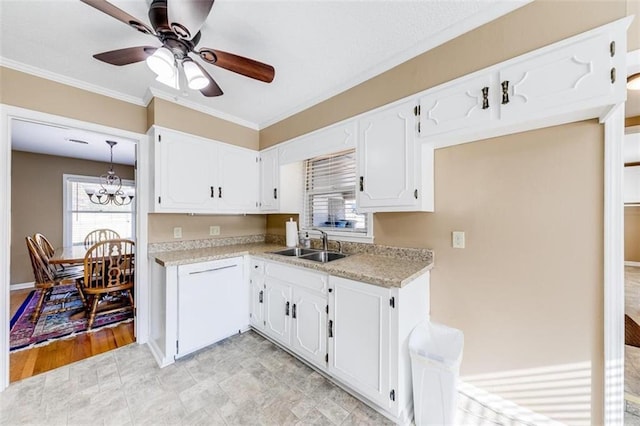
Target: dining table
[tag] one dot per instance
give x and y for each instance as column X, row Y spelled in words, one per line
column 71, row 255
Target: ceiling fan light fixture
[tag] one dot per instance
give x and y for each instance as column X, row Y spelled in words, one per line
column 196, row 80
column 633, row 81
column 162, row 62
column 170, row 80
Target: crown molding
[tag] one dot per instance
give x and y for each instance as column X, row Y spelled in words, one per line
column 59, row 78
column 153, row 92
column 464, row 26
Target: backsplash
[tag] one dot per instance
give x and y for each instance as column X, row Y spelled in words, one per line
column 204, row 243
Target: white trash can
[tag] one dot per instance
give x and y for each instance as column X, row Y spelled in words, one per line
column 436, row 353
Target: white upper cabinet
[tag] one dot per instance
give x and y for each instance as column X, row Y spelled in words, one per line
column 238, row 179
column 269, row 180
column 336, row 138
column 552, row 80
column 570, row 80
column 465, row 104
column 390, row 162
column 197, row 175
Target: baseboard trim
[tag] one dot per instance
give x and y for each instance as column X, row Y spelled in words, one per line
column 21, row 286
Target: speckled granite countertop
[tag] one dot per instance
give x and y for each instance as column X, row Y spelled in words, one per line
column 382, row 270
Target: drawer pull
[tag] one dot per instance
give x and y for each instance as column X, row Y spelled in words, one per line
column 212, row 269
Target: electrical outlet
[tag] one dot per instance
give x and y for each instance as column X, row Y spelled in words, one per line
column 177, row 232
column 457, row 239
column 214, row 230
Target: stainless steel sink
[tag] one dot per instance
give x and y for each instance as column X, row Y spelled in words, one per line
column 311, row 254
column 324, row 256
column 295, row 251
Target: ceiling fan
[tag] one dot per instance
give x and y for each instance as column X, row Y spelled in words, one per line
column 177, row 25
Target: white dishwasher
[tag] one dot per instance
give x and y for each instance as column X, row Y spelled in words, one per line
column 212, row 303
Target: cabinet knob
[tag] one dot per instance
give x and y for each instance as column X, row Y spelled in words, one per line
column 330, row 290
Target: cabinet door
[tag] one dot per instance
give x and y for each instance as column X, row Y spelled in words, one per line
column 237, row 188
column 309, row 317
column 269, row 181
column 386, row 150
column 359, row 337
column 211, row 303
column 278, row 310
column 256, row 301
column 186, row 173
column 464, row 104
column 556, row 79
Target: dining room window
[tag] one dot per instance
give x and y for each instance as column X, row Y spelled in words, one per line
column 330, row 197
column 82, row 216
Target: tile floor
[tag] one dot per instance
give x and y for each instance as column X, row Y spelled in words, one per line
column 244, row 380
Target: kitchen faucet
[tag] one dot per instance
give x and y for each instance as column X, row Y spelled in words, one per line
column 325, row 239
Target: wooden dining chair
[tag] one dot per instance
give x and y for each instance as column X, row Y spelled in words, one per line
column 46, row 277
column 109, row 270
column 100, row 235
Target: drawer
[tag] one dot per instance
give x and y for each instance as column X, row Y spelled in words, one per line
column 300, row 277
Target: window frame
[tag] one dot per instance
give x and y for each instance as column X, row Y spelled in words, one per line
column 67, row 238
column 358, row 237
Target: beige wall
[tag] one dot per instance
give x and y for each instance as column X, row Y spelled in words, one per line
column 197, row 227
column 174, row 116
column 530, row 27
column 527, row 289
column 36, row 201
column 276, row 223
column 38, row 94
column 632, row 234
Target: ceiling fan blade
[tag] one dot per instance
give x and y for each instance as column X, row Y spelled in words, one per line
column 187, row 16
column 212, row 88
column 111, row 10
column 126, row 56
column 238, row 64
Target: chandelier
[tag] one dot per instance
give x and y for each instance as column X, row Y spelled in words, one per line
column 110, row 187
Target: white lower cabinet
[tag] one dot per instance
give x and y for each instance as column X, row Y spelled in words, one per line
column 354, row 332
column 256, row 294
column 359, row 337
column 278, row 309
column 295, row 305
column 309, row 331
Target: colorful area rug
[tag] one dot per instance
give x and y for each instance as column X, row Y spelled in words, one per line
column 55, row 325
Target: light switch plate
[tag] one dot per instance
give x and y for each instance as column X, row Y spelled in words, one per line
column 177, row 232
column 457, row 239
column 214, row 230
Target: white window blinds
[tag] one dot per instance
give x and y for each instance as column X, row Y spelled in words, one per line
column 330, row 194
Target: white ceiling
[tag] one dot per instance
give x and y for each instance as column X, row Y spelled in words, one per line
column 318, row 47
column 43, row 138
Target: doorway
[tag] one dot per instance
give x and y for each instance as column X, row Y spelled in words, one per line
column 55, row 352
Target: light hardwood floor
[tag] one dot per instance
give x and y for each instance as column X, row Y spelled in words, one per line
column 29, row 362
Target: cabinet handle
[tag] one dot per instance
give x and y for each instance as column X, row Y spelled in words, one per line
column 485, row 97
column 219, row 192
column 260, row 296
column 212, row 194
column 361, row 183
column 286, row 312
column 275, row 193
column 505, row 92
column 330, row 328
column 293, row 313
column 613, row 75
column 212, row 269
